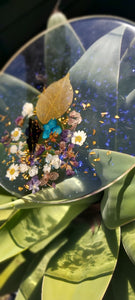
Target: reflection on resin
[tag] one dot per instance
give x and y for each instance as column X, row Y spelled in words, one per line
column 86, row 102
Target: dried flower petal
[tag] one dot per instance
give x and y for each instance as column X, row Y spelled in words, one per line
column 55, row 100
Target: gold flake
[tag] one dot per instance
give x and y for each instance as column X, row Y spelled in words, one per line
column 8, row 124
column 94, row 174
column 3, row 161
column 92, row 152
column 25, row 176
column 76, row 91
column 84, row 106
column 93, row 165
column 88, row 105
column 116, row 117
column 96, row 159
column 2, row 118
column 20, row 188
column 103, row 114
column 26, row 186
column 112, row 129
column 94, row 142
column 108, row 152
column 94, row 131
column 101, row 122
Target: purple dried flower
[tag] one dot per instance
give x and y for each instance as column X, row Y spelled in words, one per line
column 34, row 184
column 66, row 135
column 19, row 121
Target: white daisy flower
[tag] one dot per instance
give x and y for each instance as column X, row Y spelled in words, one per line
column 12, row 172
column 13, row 149
column 46, row 168
column 23, row 168
column 33, row 171
column 78, row 137
column 55, row 162
column 16, row 133
column 27, row 109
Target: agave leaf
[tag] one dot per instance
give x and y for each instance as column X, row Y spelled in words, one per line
column 96, row 79
column 117, row 205
column 110, row 166
column 128, row 240
column 31, row 283
column 27, row 227
column 122, row 285
column 126, row 83
column 5, row 197
column 11, row 273
column 55, row 100
column 49, row 197
column 62, row 47
column 81, row 259
column 84, row 290
column 91, row 252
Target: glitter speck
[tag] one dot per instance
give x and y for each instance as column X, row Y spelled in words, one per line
column 103, row 114
column 116, row 117
column 108, row 152
column 20, row 188
column 96, row 159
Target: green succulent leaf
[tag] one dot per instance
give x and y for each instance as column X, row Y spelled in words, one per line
column 11, row 273
column 126, row 84
column 57, row 289
column 83, row 267
column 5, row 197
column 122, row 285
column 87, row 254
column 117, row 205
column 30, row 287
column 27, row 227
column 110, row 166
column 128, row 240
column 48, row 197
column 62, row 47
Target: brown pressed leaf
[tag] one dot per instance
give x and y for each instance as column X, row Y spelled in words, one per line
column 55, row 100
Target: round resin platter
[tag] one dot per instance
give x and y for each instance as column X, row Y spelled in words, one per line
column 67, row 110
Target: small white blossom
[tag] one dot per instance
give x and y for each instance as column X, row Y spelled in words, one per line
column 20, row 148
column 13, row 149
column 23, row 168
column 15, row 134
column 46, row 168
column 27, row 109
column 48, row 158
column 55, row 162
column 12, row 172
column 33, row 171
column 78, row 137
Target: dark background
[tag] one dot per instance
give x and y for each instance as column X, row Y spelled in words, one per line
column 21, row 20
